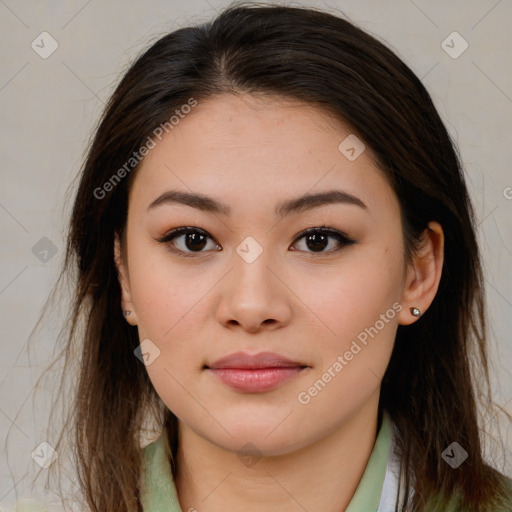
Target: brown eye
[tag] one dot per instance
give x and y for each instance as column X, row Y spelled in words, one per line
column 187, row 240
column 317, row 239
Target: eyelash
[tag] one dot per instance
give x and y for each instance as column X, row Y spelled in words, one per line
column 334, row 233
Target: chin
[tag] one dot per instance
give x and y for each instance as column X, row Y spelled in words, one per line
column 248, row 436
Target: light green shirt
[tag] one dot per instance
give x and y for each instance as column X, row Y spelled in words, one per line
column 159, row 492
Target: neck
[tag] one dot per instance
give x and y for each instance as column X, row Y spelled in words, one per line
column 323, row 475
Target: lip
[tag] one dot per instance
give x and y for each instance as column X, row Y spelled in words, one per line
column 255, row 373
column 243, row 360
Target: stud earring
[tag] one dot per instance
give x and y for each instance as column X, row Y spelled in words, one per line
column 127, row 313
column 415, row 312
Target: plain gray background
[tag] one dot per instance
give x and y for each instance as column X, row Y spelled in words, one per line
column 50, row 106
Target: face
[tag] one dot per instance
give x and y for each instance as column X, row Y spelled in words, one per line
column 245, row 277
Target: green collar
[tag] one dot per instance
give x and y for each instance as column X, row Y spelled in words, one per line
column 369, row 490
column 159, row 492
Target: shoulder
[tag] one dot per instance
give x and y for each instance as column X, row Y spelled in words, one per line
column 505, row 501
column 507, row 484
column 454, row 503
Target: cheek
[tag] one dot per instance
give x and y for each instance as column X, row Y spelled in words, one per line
column 165, row 295
column 168, row 303
column 350, row 297
column 353, row 353
column 358, row 306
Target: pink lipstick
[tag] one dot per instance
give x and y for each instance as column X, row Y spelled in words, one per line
column 255, row 373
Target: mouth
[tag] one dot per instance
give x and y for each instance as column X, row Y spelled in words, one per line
column 256, row 380
column 257, row 373
column 243, row 360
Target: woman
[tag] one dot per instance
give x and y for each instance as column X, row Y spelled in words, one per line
column 277, row 262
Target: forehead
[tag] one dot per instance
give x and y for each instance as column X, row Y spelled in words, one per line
column 256, row 150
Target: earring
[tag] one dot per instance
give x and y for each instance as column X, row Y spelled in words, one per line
column 415, row 312
column 126, row 313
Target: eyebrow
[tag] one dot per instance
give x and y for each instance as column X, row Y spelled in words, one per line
column 296, row 205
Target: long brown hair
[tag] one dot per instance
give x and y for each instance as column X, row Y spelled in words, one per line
column 439, row 365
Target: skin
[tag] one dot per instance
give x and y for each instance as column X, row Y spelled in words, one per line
column 251, row 153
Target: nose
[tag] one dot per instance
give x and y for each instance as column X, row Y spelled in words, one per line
column 254, row 296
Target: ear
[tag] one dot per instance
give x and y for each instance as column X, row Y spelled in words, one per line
column 124, row 281
column 424, row 274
